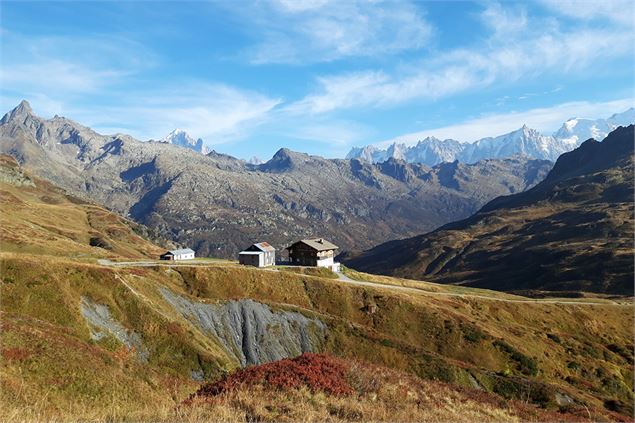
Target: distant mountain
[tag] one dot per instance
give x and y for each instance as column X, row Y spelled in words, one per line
column 577, row 130
column 432, row 151
column 183, row 139
column 218, row 204
column 254, row 160
column 429, row 151
column 524, row 141
column 571, row 232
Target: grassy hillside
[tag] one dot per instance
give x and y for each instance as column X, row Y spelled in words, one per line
column 319, row 387
column 541, row 353
column 39, row 218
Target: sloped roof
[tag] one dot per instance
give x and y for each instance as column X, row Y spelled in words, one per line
column 265, row 246
column 318, row 244
column 250, row 253
column 182, row 251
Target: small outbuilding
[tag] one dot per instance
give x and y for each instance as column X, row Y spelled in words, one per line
column 180, row 254
column 261, row 254
column 316, row 252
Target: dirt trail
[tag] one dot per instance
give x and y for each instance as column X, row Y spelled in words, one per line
column 345, row 279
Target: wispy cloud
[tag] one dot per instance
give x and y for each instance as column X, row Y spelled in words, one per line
column 68, row 65
column 546, row 120
column 215, row 112
column 615, row 11
column 307, row 32
column 96, row 80
column 518, row 48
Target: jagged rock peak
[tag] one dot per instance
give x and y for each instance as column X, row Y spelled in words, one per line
column 181, row 138
column 21, row 110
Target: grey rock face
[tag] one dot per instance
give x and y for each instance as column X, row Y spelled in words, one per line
column 102, row 323
column 13, row 175
column 251, row 332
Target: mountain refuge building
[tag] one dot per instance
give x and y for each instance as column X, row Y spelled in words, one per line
column 316, row 252
column 181, row 254
column 258, row 255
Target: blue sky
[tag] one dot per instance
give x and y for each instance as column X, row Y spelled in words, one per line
column 318, row 76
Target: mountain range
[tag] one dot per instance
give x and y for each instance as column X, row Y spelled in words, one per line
column 218, row 204
column 571, row 232
column 524, row 141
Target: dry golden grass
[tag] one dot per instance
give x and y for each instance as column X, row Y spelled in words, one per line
column 44, row 220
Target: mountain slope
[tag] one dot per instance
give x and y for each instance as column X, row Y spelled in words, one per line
column 153, row 334
column 573, row 231
column 37, row 217
column 217, row 204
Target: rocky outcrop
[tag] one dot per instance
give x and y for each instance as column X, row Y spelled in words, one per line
column 10, row 173
column 250, row 331
column 103, row 324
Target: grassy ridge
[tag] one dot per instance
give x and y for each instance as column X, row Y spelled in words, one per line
column 39, row 218
column 523, row 351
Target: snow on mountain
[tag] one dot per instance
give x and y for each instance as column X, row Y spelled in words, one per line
column 432, row 151
column 183, row 139
column 368, row 153
column 578, row 130
column 524, row 141
column 396, row 151
column 254, row 160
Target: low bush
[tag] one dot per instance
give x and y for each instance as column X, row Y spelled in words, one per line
column 318, row 372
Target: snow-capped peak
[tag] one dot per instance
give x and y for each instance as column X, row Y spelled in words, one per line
column 183, row 139
column 523, row 141
column 577, row 130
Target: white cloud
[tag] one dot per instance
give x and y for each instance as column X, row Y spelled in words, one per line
column 617, row 11
column 308, row 32
column 215, row 112
column 531, row 49
column 69, row 65
column 95, row 80
column 546, row 120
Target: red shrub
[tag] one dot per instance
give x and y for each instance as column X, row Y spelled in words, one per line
column 17, row 354
column 318, row 372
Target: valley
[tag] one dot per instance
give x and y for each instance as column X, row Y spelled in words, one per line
column 572, row 232
column 155, row 331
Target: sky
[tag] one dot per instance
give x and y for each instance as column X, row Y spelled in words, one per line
column 318, row 76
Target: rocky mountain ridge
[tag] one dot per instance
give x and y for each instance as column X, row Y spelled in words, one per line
column 218, row 204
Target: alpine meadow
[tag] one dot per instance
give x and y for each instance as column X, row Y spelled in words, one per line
column 311, row 211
